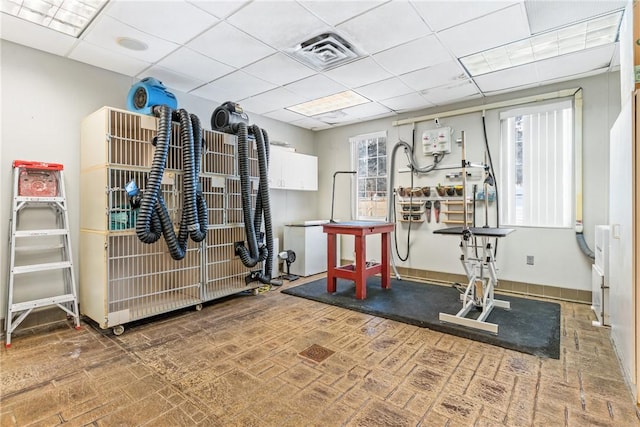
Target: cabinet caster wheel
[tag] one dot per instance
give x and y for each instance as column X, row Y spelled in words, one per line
column 118, row 330
column 255, row 291
column 198, row 307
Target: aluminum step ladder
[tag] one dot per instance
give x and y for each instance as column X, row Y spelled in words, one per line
column 38, row 192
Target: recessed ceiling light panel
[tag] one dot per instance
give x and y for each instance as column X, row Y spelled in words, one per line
column 573, row 38
column 329, row 103
column 66, row 16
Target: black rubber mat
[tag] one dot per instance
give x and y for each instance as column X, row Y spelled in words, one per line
column 530, row 326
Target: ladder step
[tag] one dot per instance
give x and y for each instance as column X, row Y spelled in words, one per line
column 34, row 233
column 41, row 267
column 42, row 302
column 39, row 199
column 38, row 248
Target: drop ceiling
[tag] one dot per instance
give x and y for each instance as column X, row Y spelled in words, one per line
column 243, row 50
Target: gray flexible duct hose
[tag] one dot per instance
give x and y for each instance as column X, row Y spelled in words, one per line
column 189, row 134
column 148, row 226
column 583, row 245
column 249, row 256
column 188, row 220
column 264, row 210
column 201, row 203
column 153, row 218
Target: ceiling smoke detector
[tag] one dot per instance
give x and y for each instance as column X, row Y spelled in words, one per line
column 325, row 51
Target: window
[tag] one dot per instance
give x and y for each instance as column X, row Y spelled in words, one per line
column 536, row 165
column 369, row 156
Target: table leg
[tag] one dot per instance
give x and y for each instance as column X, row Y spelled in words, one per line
column 361, row 267
column 331, row 262
column 386, row 271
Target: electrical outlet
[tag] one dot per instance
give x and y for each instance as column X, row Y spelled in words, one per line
column 529, row 259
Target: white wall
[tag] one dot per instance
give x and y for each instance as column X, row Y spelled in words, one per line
column 558, row 259
column 44, row 99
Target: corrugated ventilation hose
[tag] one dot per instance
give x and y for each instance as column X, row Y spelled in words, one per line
column 254, row 254
column 153, row 217
column 230, row 118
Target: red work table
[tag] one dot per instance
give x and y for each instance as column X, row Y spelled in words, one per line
column 359, row 271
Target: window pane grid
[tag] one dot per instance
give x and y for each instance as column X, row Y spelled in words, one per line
column 371, row 185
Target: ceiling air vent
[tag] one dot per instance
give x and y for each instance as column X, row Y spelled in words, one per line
column 328, row 50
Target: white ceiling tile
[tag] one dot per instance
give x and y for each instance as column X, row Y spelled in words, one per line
column 311, row 123
column 176, row 21
column 288, row 23
column 438, row 75
column 513, row 89
column 335, row 117
column 230, row 46
column 284, row 115
column 233, row 87
column 333, row 14
column 575, row 63
column 279, row 69
column 412, row 101
column 172, row 79
column 316, row 86
column 220, row 9
column 254, row 106
column 103, row 58
column 444, row 14
column 38, row 37
column 451, row 92
column 210, row 93
column 389, row 25
column 366, row 110
column 414, row 55
column 194, row 64
column 577, row 76
column 384, row 89
column 496, row 29
column 358, row 73
column 545, row 15
column 106, row 31
column 272, row 100
column 507, row 79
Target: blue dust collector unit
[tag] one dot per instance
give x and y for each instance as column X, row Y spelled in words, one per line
column 147, row 93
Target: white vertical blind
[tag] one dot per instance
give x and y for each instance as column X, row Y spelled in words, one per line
column 537, row 164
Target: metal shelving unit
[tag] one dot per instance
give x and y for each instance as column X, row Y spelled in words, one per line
column 123, row 279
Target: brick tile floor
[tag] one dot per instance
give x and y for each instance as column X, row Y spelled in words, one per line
column 238, row 363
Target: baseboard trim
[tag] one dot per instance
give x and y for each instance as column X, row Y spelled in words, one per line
column 504, row 286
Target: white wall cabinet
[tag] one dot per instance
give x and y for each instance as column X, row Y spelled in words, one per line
column 289, row 170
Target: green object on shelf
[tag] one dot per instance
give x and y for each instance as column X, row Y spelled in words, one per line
column 122, row 218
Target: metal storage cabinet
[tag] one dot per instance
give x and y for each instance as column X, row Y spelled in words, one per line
column 123, row 279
